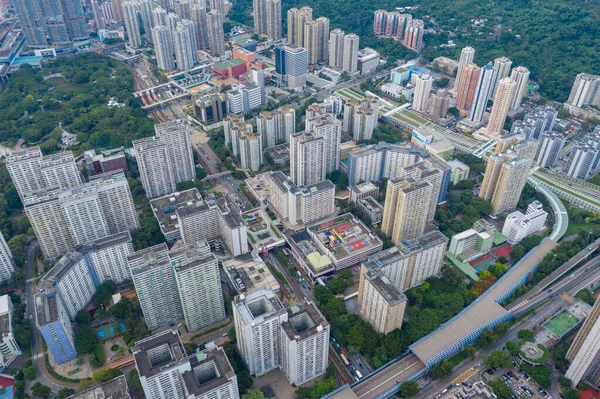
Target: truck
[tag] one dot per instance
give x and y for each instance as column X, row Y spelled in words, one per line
column 358, row 374
column 346, row 363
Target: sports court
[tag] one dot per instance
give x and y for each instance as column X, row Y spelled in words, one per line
column 561, row 323
column 110, row 331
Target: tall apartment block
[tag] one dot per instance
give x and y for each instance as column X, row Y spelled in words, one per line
column 520, row 75
column 116, row 201
column 381, row 303
column 267, row 18
column 423, row 85
column 501, row 70
column 504, row 180
column 270, row 336
column 406, row 208
column 296, row 18
column 9, row 348
column 166, row 371
column 304, row 341
column 185, row 45
column 505, row 91
column 216, row 35
column 583, row 353
column 329, row 127
column 199, row 287
column 300, row 204
column 31, row 171
column 163, row 47
column 250, row 146
column 467, row 56
column 482, row 93
column 277, row 126
column 51, row 23
column 350, row 58
column 176, row 135
column 413, row 35
column 7, row 264
column 307, row 158
column 235, row 128
column 336, row 48
column 47, row 220
column 585, row 91
column 257, row 316
column 584, row 158
column 426, row 171
column 152, row 275
column 154, row 163
column 82, row 211
column 244, row 97
column 551, row 145
column 132, row 26
column 54, row 325
column 466, row 87
column 411, row 262
column 108, row 257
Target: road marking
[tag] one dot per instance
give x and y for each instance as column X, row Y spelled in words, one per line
column 465, row 376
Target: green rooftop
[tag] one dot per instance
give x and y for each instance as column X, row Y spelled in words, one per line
column 410, row 118
column 229, row 63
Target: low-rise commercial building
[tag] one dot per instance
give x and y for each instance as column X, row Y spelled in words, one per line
column 517, row 225
column 460, row 171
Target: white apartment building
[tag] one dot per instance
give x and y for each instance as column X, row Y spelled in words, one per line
column 163, row 46
column 381, row 303
column 116, row 201
column 257, row 316
column 30, row 171
column 154, row 163
column 9, row 348
column 518, row 226
column 368, row 60
column 250, row 146
column 47, row 220
column 244, row 97
column 166, row 371
column 307, row 158
column 7, row 264
column 151, row 272
column 82, row 211
column 277, row 126
column 423, row 86
column 330, row 128
column 304, row 343
column 199, row 286
column 71, row 279
column 108, row 256
column 583, row 353
column 176, row 135
column 551, row 145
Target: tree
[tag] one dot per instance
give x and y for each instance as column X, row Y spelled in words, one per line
column 85, row 340
column 564, row 381
column 29, row 370
column 453, row 111
column 498, row 358
column 65, row 393
column 104, row 292
column 409, row 389
column 501, row 390
column 39, row 390
column 525, row 334
column 133, row 381
column 98, row 357
column 337, row 286
column 83, row 318
column 17, row 246
column 254, row 394
column 346, row 274
column 442, row 82
column 470, row 350
column 442, row 370
column 571, row 394
column 105, row 374
column 513, row 348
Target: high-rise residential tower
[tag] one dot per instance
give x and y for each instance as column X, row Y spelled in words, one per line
column 350, row 61
column 7, row 263
column 423, row 85
column 274, row 29
column 330, row 128
column 163, row 47
column 584, row 350
column 501, row 70
column 185, row 45
column 548, row 153
column 176, row 135
column 216, row 35
column 154, row 162
column 200, row 20
column 413, row 35
column 83, row 214
column 585, row 91
column 465, row 91
column 307, row 158
column 482, row 93
column 336, row 48
column 520, row 75
column 505, row 92
column 132, row 26
column 467, row 55
column 504, row 180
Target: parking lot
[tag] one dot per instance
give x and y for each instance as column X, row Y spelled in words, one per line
column 520, row 383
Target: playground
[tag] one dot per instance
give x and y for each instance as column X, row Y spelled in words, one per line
column 561, row 324
column 110, row 331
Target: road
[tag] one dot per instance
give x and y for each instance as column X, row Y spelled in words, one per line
column 297, row 288
column 381, row 383
column 36, row 341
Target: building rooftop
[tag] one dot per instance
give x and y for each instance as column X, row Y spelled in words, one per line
column 248, row 274
column 365, row 187
column 405, row 248
column 304, row 320
column 104, row 242
column 210, row 369
column 257, row 306
column 113, row 389
column 229, row 63
column 456, row 164
column 158, row 353
column 165, row 208
column 344, row 236
column 280, row 153
column 392, row 295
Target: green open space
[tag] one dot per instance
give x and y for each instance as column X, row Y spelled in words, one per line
column 561, row 324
